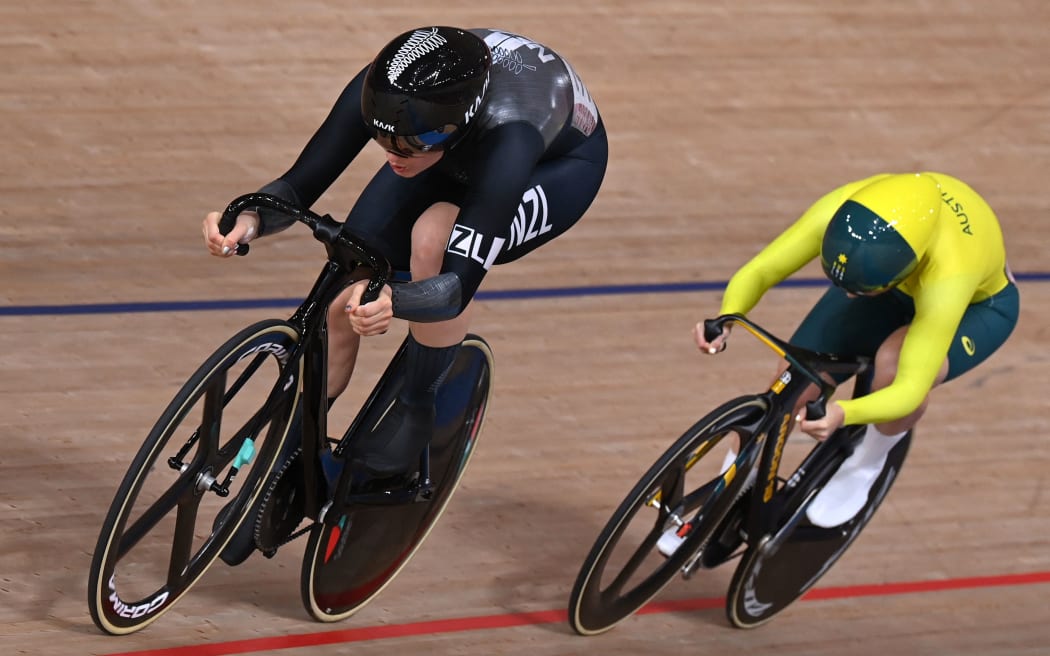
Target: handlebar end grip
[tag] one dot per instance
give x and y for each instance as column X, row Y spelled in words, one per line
column 371, row 292
column 226, row 223
column 712, row 329
column 815, row 410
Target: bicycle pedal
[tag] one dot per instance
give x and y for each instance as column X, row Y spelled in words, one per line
column 425, row 492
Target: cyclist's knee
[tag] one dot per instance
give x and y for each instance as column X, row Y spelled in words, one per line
column 338, row 306
column 886, row 359
column 430, row 236
column 338, row 322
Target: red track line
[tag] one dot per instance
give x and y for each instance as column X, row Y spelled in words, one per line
column 507, row 620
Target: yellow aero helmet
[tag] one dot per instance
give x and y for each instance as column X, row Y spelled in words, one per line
column 877, row 237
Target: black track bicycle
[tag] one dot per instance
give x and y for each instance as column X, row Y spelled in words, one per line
column 741, row 509
column 208, row 464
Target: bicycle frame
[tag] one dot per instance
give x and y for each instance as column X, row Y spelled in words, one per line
column 289, row 478
column 770, row 433
column 346, row 254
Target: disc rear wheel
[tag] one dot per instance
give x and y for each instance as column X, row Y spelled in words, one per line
column 351, row 558
column 779, row 568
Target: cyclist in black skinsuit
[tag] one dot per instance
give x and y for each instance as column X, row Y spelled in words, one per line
column 494, row 147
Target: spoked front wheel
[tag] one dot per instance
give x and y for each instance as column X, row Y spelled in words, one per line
column 349, row 559
column 779, row 568
column 192, row 481
column 625, row 568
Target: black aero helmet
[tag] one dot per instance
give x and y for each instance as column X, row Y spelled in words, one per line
column 424, row 88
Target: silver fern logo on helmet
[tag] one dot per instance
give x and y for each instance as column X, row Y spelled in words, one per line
column 420, row 43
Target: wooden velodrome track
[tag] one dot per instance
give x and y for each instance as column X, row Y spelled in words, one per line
column 123, row 122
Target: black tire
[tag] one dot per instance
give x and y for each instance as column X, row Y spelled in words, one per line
column 348, row 562
column 777, row 569
column 147, row 556
column 626, row 549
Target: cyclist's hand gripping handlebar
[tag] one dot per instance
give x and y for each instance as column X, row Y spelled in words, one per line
column 325, row 229
column 815, row 409
column 713, row 330
column 226, row 223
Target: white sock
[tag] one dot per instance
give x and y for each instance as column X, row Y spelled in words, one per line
column 872, row 449
column 847, row 491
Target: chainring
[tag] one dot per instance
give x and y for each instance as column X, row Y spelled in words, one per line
column 282, row 508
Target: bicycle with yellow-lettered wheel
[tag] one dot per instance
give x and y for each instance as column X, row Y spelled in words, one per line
column 745, row 509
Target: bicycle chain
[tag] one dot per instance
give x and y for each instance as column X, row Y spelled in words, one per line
column 269, row 553
column 269, row 497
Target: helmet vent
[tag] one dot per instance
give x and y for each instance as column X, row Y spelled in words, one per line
column 418, row 44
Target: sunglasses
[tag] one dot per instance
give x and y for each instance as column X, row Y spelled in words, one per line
column 416, row 144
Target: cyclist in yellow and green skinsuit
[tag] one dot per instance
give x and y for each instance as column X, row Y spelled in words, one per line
column 920, row 282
